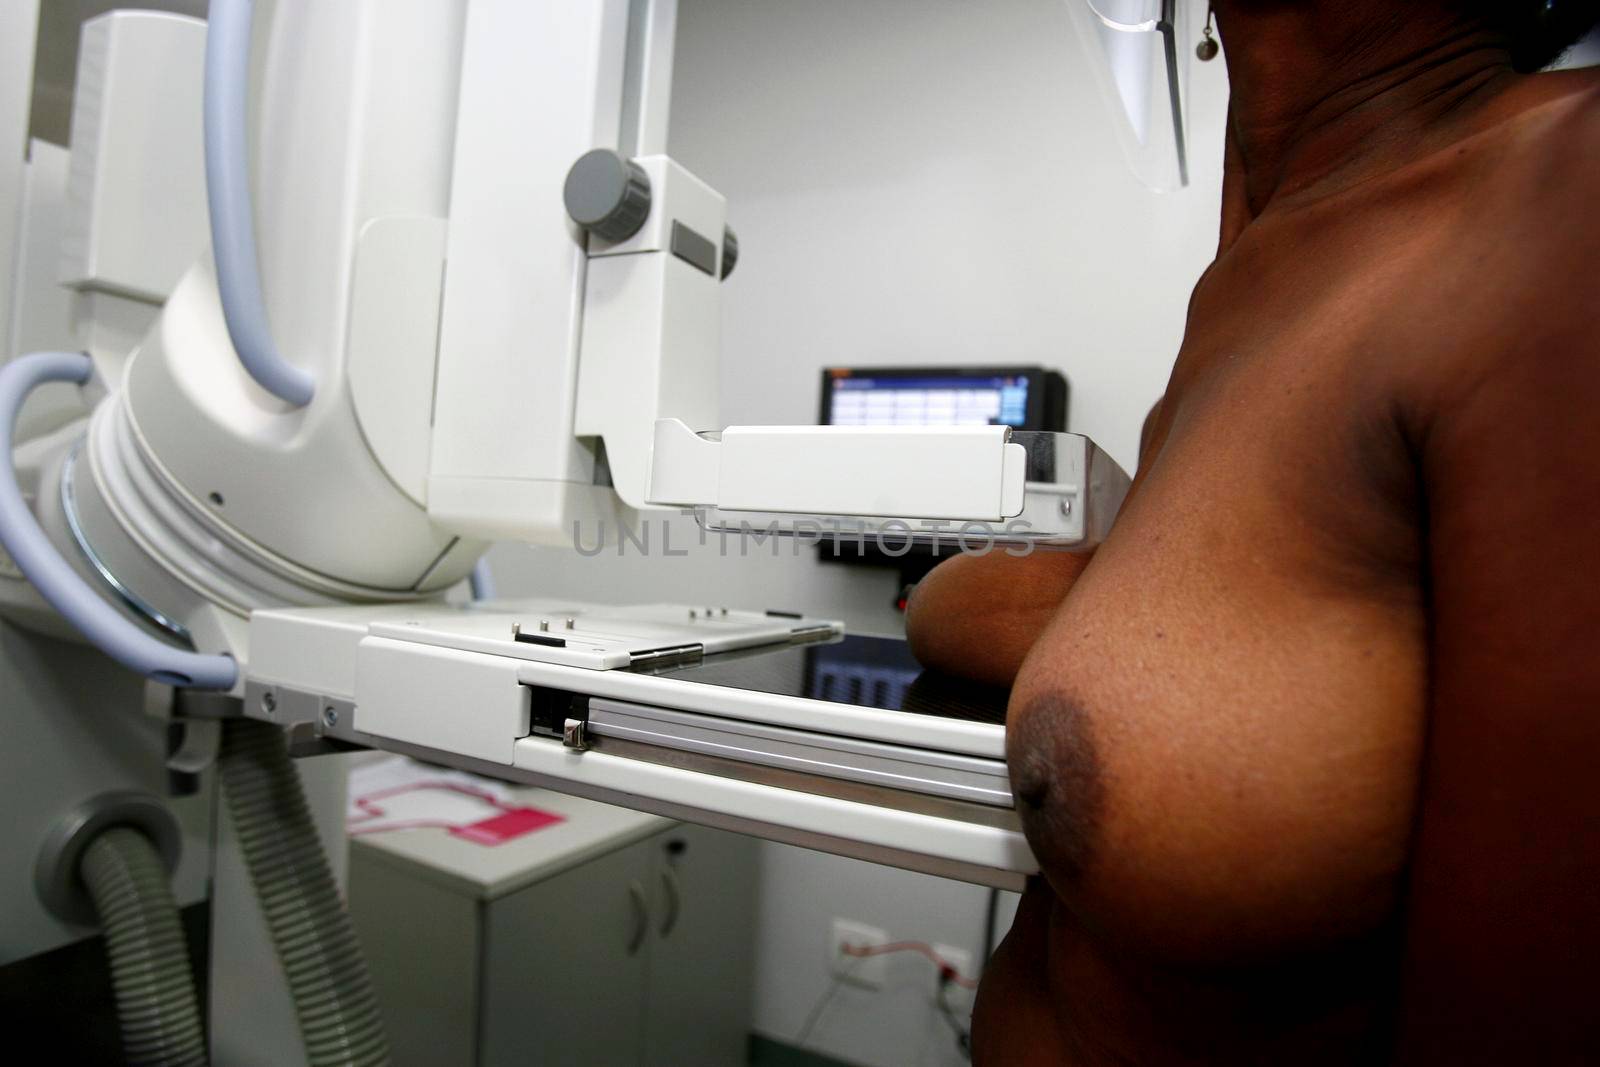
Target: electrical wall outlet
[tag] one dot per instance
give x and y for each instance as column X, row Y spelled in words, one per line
column 868, row 971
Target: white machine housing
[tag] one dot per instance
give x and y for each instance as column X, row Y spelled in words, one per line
column 483, row 369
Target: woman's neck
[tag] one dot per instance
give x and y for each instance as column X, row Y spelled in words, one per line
column 1328, row 92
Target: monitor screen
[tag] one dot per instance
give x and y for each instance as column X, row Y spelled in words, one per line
column 867, row 399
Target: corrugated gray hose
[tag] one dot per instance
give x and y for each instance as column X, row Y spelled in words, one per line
column 311, row 931
column 150, row 971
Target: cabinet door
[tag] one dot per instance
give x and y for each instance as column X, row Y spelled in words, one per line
column 697, row 1006
column 565, row 966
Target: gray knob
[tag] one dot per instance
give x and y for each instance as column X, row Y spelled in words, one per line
column 730, row 250
column 607, row 195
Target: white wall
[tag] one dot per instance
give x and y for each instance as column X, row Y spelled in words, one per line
column 912, row 181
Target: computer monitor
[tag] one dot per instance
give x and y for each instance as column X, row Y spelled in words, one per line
column 1024, row 398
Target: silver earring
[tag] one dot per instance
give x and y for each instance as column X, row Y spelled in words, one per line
column 1208, row 48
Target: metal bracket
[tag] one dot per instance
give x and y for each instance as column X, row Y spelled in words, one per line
column 672, row 655
column 575, row 735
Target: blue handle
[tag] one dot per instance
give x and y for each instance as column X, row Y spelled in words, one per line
column 233, row 227
column 37, row 559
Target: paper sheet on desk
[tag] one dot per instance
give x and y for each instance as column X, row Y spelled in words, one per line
column 398, row 793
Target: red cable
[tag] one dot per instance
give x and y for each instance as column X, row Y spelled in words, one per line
column 919, row 947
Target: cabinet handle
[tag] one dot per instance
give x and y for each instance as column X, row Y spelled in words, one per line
column 669, row 882
column 641, row 917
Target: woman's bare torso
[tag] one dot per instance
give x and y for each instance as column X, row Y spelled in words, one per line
column 1216, row 744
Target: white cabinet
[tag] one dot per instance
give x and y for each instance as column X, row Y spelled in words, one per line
column 613, row 938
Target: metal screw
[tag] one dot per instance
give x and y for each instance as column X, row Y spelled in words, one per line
column 570, row 623
column 269, row 703
column 693, row 614
column 1066, row 505
column 330, row 716
column 544, row 625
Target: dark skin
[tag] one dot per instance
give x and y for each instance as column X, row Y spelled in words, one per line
column 1306, row 750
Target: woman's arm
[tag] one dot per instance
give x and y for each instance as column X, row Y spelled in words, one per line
column 1503, row 927
column 977, row 616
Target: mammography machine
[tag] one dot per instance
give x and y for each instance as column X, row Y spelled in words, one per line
column 450, row 289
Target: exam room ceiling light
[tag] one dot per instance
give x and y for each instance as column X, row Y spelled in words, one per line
column 1139, row 52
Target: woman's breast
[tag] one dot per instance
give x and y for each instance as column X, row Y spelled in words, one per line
column 1216, row 743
